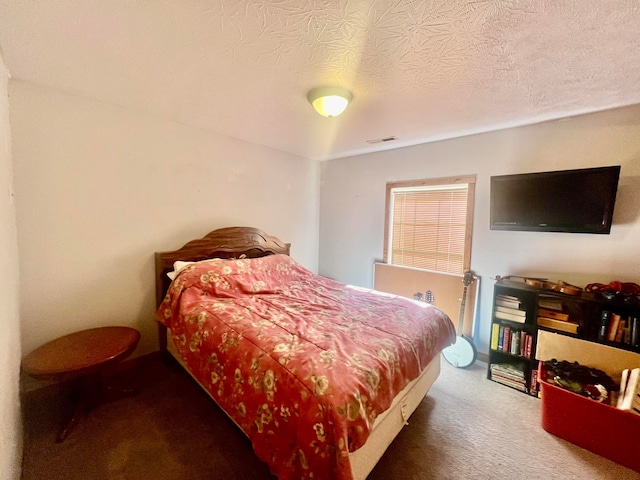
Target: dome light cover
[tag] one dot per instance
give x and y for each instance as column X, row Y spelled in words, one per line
column 329, row 101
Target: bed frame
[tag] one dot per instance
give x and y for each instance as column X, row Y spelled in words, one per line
column 236, row 242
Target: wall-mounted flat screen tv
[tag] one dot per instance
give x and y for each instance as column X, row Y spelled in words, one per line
column 575, row 201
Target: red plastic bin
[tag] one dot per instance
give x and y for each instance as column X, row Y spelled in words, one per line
column 600, row 428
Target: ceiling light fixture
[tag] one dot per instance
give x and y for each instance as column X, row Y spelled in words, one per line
column 329, row 101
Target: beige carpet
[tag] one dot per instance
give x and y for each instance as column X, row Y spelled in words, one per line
column 471, row 427
column 466, row 428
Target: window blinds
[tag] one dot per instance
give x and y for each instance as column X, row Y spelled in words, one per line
column 428, row 227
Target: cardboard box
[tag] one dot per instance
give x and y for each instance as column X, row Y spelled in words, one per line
column 600, row 428
column 610, row 360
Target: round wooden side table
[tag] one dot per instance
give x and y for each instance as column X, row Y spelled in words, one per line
column 82, row 357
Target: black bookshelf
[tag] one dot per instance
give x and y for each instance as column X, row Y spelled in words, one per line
column 520, row 310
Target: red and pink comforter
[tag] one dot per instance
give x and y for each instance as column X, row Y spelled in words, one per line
column 303, row 364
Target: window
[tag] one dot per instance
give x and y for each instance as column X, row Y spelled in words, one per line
column 429, row 224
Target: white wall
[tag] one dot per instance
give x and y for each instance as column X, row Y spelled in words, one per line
column 100, row 189
column 10, row 429
column 352, row 203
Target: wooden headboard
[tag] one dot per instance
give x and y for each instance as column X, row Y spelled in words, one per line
column 230, row 242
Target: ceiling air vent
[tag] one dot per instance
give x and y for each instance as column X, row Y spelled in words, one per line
column 382, row 140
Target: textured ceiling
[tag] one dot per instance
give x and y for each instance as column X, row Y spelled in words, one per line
column 419, row 70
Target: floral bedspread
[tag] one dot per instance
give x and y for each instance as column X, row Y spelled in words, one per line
column 303, row 364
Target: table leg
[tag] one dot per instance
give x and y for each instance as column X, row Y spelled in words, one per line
column 80, row 402
column 87, row 393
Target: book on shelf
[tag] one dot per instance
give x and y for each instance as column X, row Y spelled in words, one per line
column 514, row 311
column 495, row 335
column 507, row 301
column 559, row 325
column 508, row 370
column 634, row 328
column 509, row 375
column 506, row 340
column 620, row 332
column 545, row 312
column 508, row 298
column 612, row 329
column 509, row 316
column 605, row 319
column 631, row 331
column 515, row 342
column 550, row 303
column 618, row 329
column 534, row 387
column 528, row 346
column 523, row 343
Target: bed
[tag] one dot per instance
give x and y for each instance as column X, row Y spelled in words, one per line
column 321, row 376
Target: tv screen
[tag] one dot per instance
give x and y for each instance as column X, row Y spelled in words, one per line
column 575, row 201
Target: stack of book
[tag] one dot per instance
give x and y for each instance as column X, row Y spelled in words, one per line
column 507, row 307
column 629, row 396
column 550, row 315
column 509, row 375
column 507, row 339
column 617, row 329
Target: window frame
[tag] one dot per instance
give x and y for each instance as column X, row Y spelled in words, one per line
column 469, row 180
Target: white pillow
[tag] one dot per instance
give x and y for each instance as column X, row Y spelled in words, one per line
column 180, row 264
column 177, row 266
